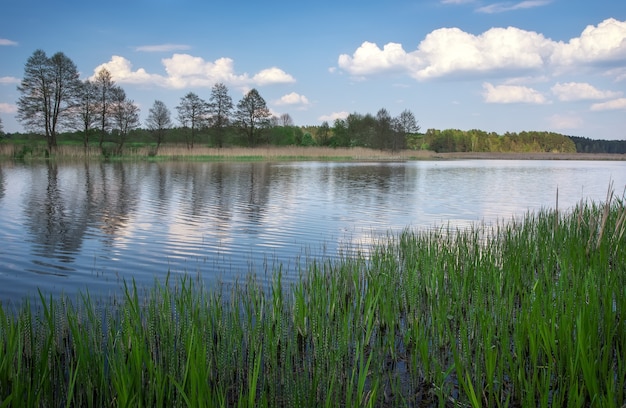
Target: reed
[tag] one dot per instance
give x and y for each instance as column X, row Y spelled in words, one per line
column 524, row 313
column 169, row 152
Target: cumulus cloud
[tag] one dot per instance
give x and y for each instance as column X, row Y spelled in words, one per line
column 370, row 59
column 333, row 116
column 122, row 71
column 4, row 41
column 184, row 70
column 596, row 45
column 163, row 48
column 292, row 99
column 9, row 80
column 7, row 108
column 615, row 104
column 509, row 6
column 272, row 76
column 452, row 52
column 511, row 94
column 576, row 91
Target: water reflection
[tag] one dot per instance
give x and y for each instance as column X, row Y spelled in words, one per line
column 56, row 221
column 2, row 184
column 91, row 225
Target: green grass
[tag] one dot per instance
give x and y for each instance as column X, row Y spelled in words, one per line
column 527, row 313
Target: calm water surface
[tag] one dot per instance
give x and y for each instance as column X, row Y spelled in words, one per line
column 67, row 228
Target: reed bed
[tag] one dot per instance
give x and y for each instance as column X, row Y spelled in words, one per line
column 522, row 314
column 202, row 153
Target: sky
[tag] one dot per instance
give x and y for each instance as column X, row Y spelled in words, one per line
column 496, row 65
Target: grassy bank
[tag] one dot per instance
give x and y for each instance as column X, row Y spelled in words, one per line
column 528, row 313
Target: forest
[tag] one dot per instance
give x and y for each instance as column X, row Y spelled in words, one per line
column 55, row 106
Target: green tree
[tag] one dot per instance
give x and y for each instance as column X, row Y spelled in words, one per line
column 340, row 137
column 158, row 122
column 361, row 129
column 384, row 130
column 106, row 88
column 252, row 116
column 193, row 115
column 49, row 91
column 404, row 125
column 323, row 134
column 220, row 108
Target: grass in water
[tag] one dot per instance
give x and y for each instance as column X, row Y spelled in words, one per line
column 528, row 313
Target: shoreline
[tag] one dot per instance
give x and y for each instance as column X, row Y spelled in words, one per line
column 530, row 156
column 286, row 153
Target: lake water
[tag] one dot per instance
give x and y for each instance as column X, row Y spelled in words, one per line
column 67, row 228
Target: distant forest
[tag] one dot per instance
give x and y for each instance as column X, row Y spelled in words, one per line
column 585, row 145
column 454, row 140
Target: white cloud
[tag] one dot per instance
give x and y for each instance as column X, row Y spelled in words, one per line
column 272, row 76
column 369, row 59
column 615, row 104
column 163, row 48
column 122, row 71
column 333, row 116
column 511, row 94
column 292, row 99
column 448, row 51
column 509, row 6
column 4, row 41
column 576, row 91
column 559, row 121
column 7, row 108
column 596, row 45
column 451, row 50
column 502, row 51
column 9, row 80
column 184, row 71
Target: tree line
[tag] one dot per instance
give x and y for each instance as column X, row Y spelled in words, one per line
column 55, row 101
column 586, row 145
column 455, row 140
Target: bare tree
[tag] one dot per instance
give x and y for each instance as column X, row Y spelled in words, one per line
column 220, row 108
column 125, row 115
column 159, row 121
column 1, row 127
column 49, row 89
column 105, row 88
column 87, row 109
column 252, row 115
column 193, row 115
column 285, row 120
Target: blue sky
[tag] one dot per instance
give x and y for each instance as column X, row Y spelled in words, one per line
column 557, row 65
